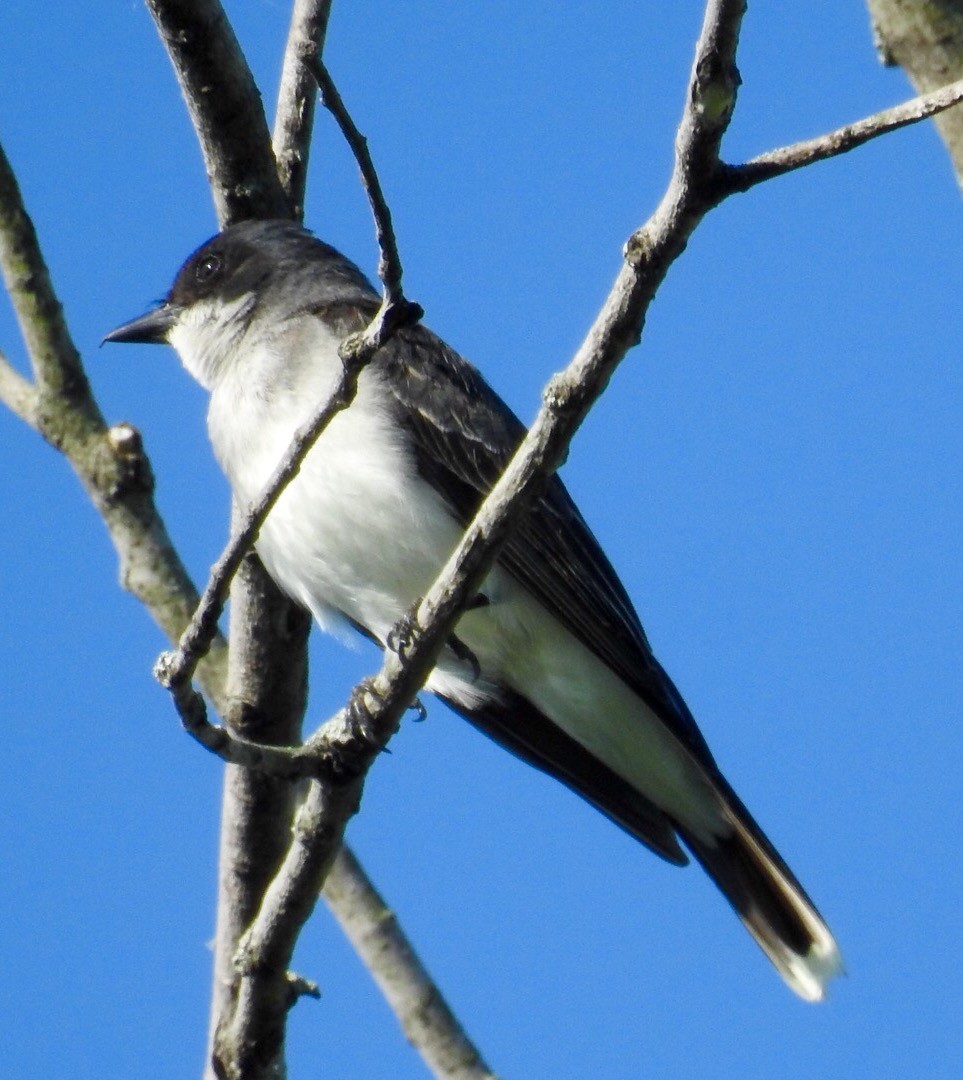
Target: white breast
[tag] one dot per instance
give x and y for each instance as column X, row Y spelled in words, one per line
column 357, row 531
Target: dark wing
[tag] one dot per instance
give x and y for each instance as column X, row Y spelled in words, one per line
column 464, row 435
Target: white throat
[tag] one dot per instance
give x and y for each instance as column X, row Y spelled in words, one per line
column 208, row 333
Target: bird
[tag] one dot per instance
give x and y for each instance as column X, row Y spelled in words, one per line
column 550, row 659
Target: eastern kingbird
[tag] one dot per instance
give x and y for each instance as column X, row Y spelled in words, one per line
column 551, row 661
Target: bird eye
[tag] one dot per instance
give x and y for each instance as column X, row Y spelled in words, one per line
column 207, row 268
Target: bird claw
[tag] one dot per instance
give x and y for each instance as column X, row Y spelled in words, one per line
column 402, row 635
column 359, row 714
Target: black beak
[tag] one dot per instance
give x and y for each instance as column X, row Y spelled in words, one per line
column 149, row 329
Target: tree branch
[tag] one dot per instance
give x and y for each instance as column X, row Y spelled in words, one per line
column 267, row 699
column 297, row 94
column 226, row 110
column 389, row 263
column 841, row 141
column 56, row 363
column 372, row 928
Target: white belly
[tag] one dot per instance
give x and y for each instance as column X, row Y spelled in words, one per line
column 357, row 531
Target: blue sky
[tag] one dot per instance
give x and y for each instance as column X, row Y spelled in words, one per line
column 775, row 472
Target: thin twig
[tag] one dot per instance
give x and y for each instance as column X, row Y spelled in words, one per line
column 843, row 139
column 175, row 669
column 56, row 363
column 297, row 94
column 425, row 1018
column 285, row 762
column 389, row 264
column 267, row 689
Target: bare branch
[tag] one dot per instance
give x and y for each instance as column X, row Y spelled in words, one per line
column 285, row 762
column 56, row 363
column 225, row 107
column 297, row 95
column 226, row 110
column 372, row 928
column 788, row 158
column 713, row 85
column 173, row 670
column 266, row 702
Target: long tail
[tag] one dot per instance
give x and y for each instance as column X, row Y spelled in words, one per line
column 768, row 899
column 741, row 861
